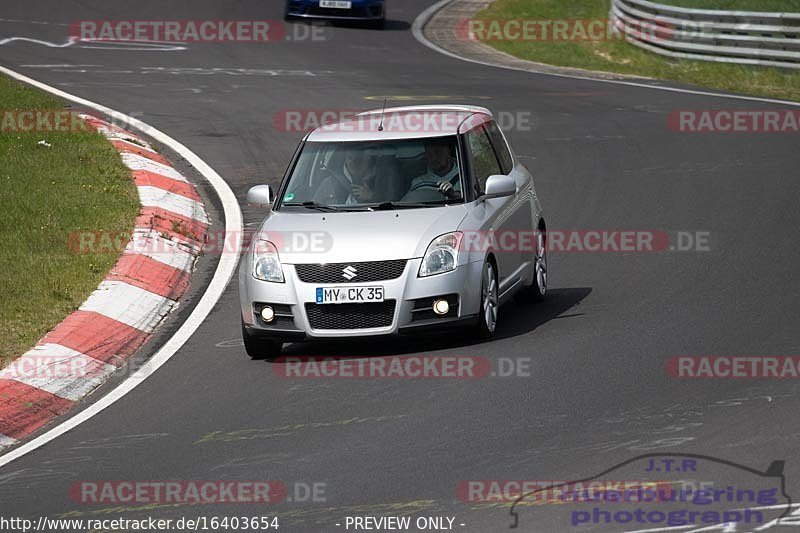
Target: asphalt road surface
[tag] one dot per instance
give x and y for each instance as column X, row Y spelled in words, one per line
column 597, row 393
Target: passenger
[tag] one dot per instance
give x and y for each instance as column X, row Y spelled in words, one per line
column 353, row 184
column 442, row 170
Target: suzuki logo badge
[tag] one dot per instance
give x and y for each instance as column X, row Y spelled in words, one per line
column 349, row 272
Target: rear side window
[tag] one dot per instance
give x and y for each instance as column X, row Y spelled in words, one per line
column 500, row 147
column 484, row 162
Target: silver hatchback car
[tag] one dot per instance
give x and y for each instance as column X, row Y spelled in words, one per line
column 393, row 221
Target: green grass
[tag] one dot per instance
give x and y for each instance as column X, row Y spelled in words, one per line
column 792, row 6
column 46, row 194
column 618, row 56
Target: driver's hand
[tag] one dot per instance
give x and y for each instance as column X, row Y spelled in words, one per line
column 362, row 193
column 445, row 187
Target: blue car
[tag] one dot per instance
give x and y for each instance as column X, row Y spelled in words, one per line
column 371, row 11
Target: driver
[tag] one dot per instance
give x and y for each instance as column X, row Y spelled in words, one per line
column 442, row 170
column 353, row 184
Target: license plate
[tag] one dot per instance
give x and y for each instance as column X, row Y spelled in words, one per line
column 339, row 4
column 349, row 295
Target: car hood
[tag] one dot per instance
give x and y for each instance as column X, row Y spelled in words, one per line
column 358, row 236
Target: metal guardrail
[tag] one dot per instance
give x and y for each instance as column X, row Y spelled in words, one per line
column 741, row 37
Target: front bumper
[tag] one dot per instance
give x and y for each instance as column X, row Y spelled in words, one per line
column 295, row 298
column 368, row 11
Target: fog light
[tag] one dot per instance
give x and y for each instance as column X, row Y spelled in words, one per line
column 267, row 314
column 441, row 307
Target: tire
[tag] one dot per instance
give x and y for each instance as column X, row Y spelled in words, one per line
column 260, row 348
column 537, row 290
column 487, row 313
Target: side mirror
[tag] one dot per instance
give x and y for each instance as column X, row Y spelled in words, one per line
column 498, row 186
column 260, row 196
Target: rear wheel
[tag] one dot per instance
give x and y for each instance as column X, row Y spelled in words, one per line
column 259, row 347
column 538, row 289
column 487, row 314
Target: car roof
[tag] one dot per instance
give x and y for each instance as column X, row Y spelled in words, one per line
column 409, row 122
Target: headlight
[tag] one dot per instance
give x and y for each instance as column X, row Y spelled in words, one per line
column 441, row 255
column 266, row 265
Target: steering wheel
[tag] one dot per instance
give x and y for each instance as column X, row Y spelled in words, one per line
column 423, row 185
column 424, row 192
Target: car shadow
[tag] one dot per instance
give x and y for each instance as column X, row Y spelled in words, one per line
column 515, row 320
column 389, row 25
column 519, row 319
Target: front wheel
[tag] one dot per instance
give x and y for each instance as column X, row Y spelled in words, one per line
column 259, row 347
column 487, row 315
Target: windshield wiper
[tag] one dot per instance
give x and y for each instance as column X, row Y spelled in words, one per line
column 386, row 206
column 310, row 205
column 326, row 208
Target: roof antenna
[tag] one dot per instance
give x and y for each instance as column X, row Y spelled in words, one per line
column 380, row 126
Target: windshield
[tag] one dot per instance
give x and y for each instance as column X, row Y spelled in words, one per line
column 386, row 174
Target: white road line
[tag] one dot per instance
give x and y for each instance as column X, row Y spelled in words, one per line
column 58, row 370
column 423, row 18
column 62, row 65
column 67, row 44
column 128, row 304
column 150, row 196
column 151, row 244
column 38, row 22
column 138, row 162
column 222, row 276
column 98, row 44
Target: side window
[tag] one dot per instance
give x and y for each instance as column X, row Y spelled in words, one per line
column 484, row 162
column 501, row 148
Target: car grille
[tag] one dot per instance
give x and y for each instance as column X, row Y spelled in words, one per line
column 364, row 272
column 351, row 316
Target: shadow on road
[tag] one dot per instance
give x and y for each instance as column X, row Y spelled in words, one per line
column 389, row 25
column 519, row 319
